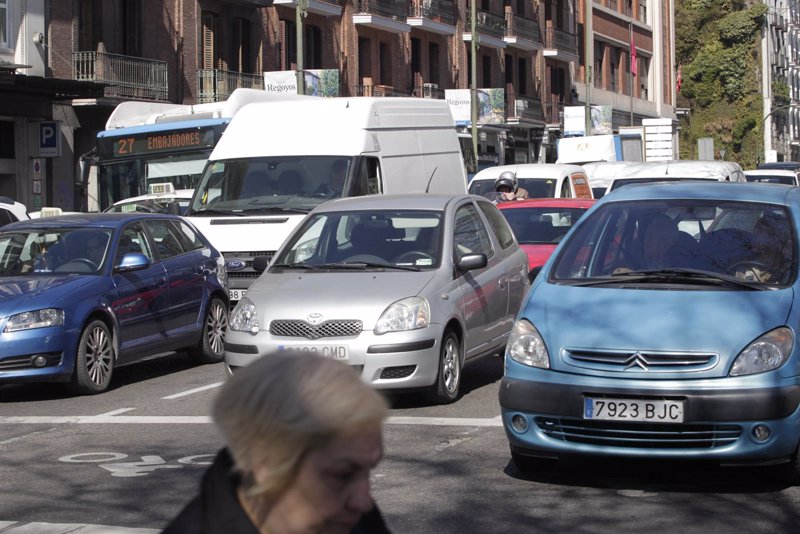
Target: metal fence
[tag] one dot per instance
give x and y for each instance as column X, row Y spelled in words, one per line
column 393, row 9
column 214, row 85
column 436, row 10
column 126, row 76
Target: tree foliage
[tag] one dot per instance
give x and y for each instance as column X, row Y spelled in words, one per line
column 717, row 44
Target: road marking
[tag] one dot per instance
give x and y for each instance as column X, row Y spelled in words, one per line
column 115, row 412
column 192, row 391
column 14, row 527
column 107, row 419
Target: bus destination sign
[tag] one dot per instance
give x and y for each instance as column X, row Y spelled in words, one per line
column 157, row 142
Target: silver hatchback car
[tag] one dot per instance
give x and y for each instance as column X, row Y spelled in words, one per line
column 405, row 288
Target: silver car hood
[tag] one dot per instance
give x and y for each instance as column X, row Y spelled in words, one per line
column 361, row 295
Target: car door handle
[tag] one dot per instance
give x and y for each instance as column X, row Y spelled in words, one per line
column 502, row 282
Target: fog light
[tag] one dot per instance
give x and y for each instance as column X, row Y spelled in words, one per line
column 761, row 433
column 38, row 361
column 519, row 423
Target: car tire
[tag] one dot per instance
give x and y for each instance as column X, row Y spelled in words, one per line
column 210, row 348
column 94, row 360
column 448, row 378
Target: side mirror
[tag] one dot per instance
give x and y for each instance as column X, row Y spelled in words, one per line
column 133, row 261
column 470, row 262
column 174, row 208
column 260, row 264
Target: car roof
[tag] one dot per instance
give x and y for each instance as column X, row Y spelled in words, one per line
column 530, row 171
column 178, row 193
column 418, row 201
column 82, row 220
column 548, row 203
column 703, row 189
column 712, row 169
column 17, row 208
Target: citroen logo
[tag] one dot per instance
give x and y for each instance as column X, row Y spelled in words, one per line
column 636, row 359
column 315, row 318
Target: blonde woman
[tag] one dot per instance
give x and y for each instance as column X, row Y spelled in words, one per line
column 302, row 434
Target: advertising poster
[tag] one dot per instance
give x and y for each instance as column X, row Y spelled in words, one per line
column 575, row 120
column 319, row 82
column 491, row 105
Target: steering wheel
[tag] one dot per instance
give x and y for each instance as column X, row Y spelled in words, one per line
column 412, row 256
column 79, row 261
column 749, row 265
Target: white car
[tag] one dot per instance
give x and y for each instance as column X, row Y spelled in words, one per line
column 12, row 211
column 773, row 176
column 154, row 202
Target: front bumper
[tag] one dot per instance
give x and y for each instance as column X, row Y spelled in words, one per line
column 718, row 420
column 19, row 349
column 397, row 360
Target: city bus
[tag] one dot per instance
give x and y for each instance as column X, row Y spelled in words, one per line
column 148, row 143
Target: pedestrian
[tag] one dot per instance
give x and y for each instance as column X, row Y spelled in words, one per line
column 302, row 434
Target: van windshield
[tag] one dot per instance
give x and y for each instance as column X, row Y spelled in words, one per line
column 285, row 183
column 536, row 187
column 722, row 240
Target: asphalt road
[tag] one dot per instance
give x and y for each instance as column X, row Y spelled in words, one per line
column 133, row 456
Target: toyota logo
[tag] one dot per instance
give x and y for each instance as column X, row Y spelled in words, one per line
column 315, row 318
column 235, row 265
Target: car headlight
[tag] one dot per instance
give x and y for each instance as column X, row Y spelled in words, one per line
column 222, row 272
column 526, row 346
column 244, row 317
column 766, row 353
column 405, row 314
column 35, row 319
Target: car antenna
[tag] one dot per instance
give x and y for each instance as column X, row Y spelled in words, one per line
column 427, row 188
column 666, row 169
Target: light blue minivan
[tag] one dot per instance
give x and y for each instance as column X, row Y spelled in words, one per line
column 664, row 326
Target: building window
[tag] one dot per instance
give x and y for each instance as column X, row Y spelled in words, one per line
column 416, row 61
column 132, row 28
column 433, row 63
column 211, row 34
column 4, row 17
column 642, row 68
column 599, row 50
column 364, row 60
column 486, row 64
column 643, row 11
column 522, row 73
column 313, row 49
column 386, row 64
column 612, row 78
column 241, row 45
column 509, row 70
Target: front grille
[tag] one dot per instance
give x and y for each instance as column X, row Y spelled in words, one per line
column 640, row 361
column 639, row 435
column 398, row 372
column 24, row 362
column 333, row 328
column 247, row 258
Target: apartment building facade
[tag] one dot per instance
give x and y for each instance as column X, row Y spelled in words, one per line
column 780, row 82
column 528, row 61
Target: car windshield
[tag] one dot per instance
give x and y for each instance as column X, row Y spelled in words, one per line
column 56, row 250
column 402, row 239
column 724, row 240
column 541, row 226
column 271, row 184
column 536, row 187
column 772, row 178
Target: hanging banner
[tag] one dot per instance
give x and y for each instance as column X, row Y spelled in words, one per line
column 491, row 106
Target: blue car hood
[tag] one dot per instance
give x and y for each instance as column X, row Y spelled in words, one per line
column 604, row 318
column 24, row 293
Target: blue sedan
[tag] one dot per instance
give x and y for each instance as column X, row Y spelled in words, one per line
column 84, row 294
column 664, row 326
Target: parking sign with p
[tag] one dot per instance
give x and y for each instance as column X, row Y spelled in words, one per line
column 49, row 139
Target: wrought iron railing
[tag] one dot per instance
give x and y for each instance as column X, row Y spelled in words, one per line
column 518, row 26
column 553, row 108
column 488, row 23
column 524, row 108
column 436, row 10
column 428, row 91
column 126, row 76
column 556, row 39
column 214, row 85
column 393, row 9
column 379, row 90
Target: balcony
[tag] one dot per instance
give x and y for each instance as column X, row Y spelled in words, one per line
column 251, row 3
column 436, row 16
column 429, row 90
column 491, row 29
column 522, row 33
column 217, row 85
column 379, row 90
column 326, row 8
column 385, row 15
column 560, row 44
column 553, row 110
column 127, row 77
column 523, row 110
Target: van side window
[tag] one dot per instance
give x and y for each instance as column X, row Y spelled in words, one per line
column 368, row 178
column 566, row 192
column 498, row 223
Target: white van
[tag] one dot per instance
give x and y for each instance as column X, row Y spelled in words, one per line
column 278, row 161
column 668, row 171
column 540, row 180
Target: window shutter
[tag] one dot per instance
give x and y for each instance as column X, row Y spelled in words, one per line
column 208, row 41
column 282, row 44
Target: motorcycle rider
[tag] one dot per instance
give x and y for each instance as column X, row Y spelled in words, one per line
column 507, row 188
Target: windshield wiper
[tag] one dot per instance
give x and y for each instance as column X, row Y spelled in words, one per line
column 216, row 211
column 674, row 275
column 281, row 209
column 295, row 266
column 363, row 265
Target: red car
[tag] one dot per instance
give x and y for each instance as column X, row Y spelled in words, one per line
column 541, row 223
